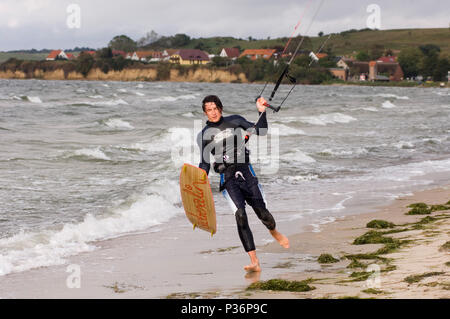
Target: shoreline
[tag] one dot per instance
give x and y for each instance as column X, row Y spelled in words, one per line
column 201, row 75
column 128, row 267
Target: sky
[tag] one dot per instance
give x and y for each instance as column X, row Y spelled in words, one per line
column 61, row 24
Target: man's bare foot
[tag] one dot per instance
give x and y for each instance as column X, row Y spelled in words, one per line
column 280, row 238
column 253, row 268
column 254, row 262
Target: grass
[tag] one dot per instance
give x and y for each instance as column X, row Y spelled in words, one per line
column 5, row 56
column 416, row 278
column 327, row 259
column 419, row 209
column 424, row 209
column 445, row 247
column 379, row 224
column 373, row 291
column 373, row 237
column 282, row 285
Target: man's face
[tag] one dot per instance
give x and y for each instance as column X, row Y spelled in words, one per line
column 212, row 112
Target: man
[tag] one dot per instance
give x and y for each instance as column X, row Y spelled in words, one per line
column 222, row 137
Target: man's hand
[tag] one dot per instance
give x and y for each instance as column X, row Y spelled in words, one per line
column 260, row 104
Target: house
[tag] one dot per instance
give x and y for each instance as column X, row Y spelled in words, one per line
column 146, row 56
column 254, row 54
column 339, row 73
column 91, row 53
column 189, row 56
column 375, row 71
column 167, row 53
column 344, row 63
column 57, row 55
column 321, row 55
column 231, row 53
column 387, row 59
column 119, row 52
column 393, row 71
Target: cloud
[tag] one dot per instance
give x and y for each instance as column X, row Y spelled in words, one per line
column 43, row 23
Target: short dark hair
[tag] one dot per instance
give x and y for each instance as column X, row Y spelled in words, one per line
column 212, row 98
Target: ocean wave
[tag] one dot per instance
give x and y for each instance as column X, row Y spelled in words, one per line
column 162, row 143
column 88, row 154
column 32, row 99
column 110, row 103
column 174, row 98
column 343, row 153
column 117, row 124
column 297, row 156
column 387, row 95
column 189, row 114
column 25, row 251
column 326, row 119
column 370, row 109
column 296, row 179
column 284, row 130
column 388, row 105
column 404, row 145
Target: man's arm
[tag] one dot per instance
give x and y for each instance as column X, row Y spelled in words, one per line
column 204, row 163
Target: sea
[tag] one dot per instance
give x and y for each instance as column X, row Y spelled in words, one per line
column 85, row 161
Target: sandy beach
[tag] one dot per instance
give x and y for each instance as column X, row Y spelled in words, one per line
column 128, row 267
column 417, row 270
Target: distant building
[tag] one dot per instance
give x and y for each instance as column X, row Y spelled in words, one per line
column 146, row 56
column 58, row 54
column 119, row 52
column 321, row 55
column 92, row 53
column 344, row 63
column 373, row 70
column 231, row 53
column 167, row 53
column 189, row 56
column 339, row 73
column 387, row 59
column 254, row 54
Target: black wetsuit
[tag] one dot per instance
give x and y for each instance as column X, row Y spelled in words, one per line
column 225, row 141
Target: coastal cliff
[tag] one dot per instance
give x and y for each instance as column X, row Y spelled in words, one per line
column 130, row 74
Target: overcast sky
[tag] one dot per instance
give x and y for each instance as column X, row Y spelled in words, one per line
column 27, row 24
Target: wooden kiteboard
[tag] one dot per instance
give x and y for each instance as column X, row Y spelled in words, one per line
column 197, row 198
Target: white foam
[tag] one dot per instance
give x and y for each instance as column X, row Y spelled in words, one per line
column 139, row 93
column 298, row 156
column 118, row 124
column 109, row 103
column 25, row 251
column 284, row 130
column 96, row 96
column 404, row 145
column 323, row 221
column 162, row 143
column 343, row 152
column 388, row 105
column 387, row 95
column 189, row 114
column 95, row 153
column 174, row 98
column 325, row 119
column 300, row 178
column 370, row 109
column 34, row 99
